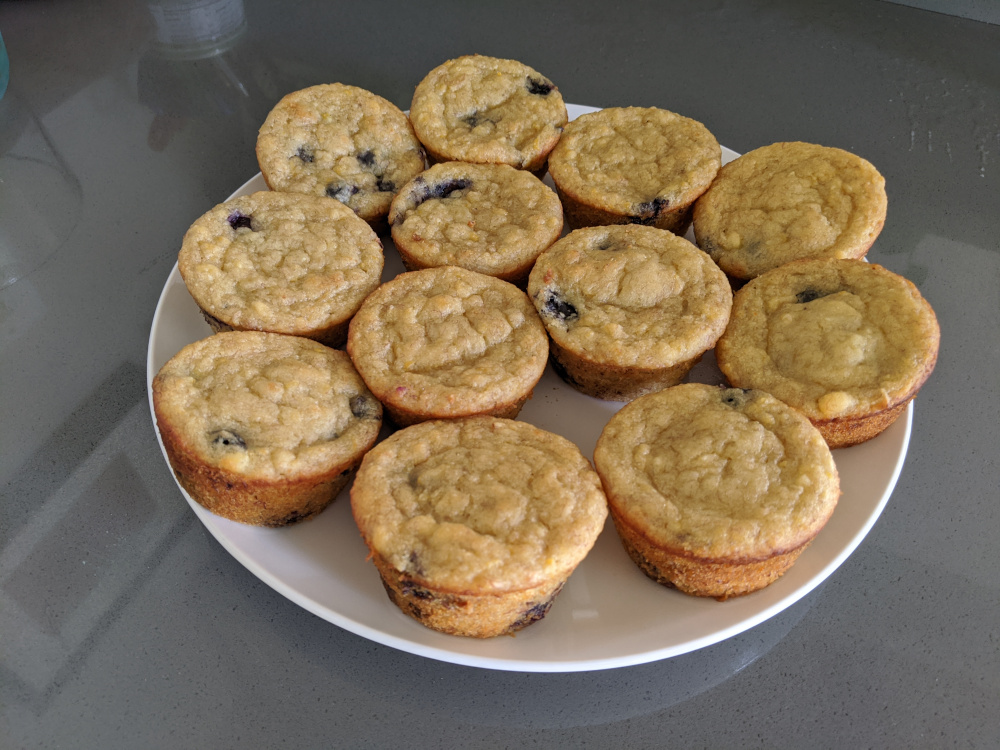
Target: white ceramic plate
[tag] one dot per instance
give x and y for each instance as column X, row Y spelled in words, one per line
column 608, row 615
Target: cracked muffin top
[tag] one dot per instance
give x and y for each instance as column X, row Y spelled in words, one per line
column 718, row 473
column 630, row 295
column 342, row 142
column 833, row 338
column 488, row 110
column 789, row 201
column 448, row 341
column 280, row 262
column 480, row 504
column 266, row 405
column 635, row 161
column 489, row 218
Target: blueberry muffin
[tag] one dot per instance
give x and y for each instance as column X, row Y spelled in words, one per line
column 789, row 201
column 715, row 491
column 629, row 308
column 846, row 342
column 633, row 165
column 489, row 218
column 263, row 428
column 342, row 142
column 281, row 262
column 488, row 110
column 446, row 342
column 475, row 524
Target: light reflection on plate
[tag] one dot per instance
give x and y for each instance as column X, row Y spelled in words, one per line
column 608, row 615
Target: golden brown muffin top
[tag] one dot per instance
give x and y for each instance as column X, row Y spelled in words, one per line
column 630, row 295
column 266, row 405
column 488, row 110
column 448, row 341
column 635, row 161
column 489, row 218
column 833, row 338
column 280, row 262
column 789, row 201
column 717, row 473
column 479, row 505
column 342, row 142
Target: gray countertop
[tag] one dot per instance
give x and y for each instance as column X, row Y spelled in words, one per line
column 124, row 623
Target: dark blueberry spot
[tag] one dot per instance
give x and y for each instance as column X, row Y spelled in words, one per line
column 385, row 186
column 423, row 192
column 808, row 295
column 532, row 614
column 735, row 397
column 557, row 307
column 413, row 565
column 409, row 588
column 366, row 158
column 227, row 439
column 608, row 244
column 305, row 154
column 413, row 478
column 239, row 220
column 341, row 191
column 446, row 188
column 363, row 407
column 290, row 518
column 476, row 119
column 539, row 86
column 536, row 611
column 440, row 190
column 649, row 211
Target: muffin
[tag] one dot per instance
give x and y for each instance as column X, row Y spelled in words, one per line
column 475, row 524
column 281, row 262
column 447, row 342
column 633, row 165
column 715, row 491
column 489, row 218
column 262, row 428
column 789, row 201
column 488, row 110
column 342, row 142
column 630, row 309
column 846, row 342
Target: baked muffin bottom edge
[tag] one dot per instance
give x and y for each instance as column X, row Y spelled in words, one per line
column 716, row 578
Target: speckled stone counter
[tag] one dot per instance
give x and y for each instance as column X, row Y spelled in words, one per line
column 124, row 623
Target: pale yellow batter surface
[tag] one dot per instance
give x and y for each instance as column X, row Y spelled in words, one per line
column 479, row 505
column 489, row 218
column 266, row 405
column 718, row 473
column 488, row 110
column 832, row 338
column 280, row 262
column 788, row 201
column 448, row 341
column 341, row 142
column 627, row 160
column 630, row 295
